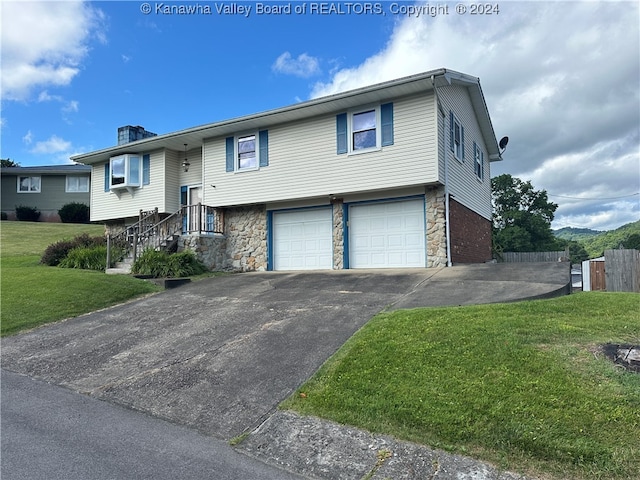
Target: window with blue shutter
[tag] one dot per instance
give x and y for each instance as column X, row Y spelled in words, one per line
column 456, row 137
column 341, row 131
column 386, row 123
column 478, row 156
column 146, row 169
column 365, row 130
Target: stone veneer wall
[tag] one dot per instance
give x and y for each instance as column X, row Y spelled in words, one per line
column 245, row 231
column 436, row 227
column 338, row 235
column 209, row 249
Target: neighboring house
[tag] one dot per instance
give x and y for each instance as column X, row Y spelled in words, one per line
column 46, row 188
column 390, row 175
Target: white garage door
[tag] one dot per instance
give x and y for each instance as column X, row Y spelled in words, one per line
column 302, row 239
column 387, row 235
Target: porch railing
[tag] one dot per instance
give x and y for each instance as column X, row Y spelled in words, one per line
column 151, row 232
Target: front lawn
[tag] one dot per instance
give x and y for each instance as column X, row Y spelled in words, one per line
column 34, row 294
column 523, row 385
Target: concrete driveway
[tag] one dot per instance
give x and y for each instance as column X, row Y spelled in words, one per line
column 220, row 354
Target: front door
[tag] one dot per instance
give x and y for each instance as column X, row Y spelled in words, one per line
column 191, row 197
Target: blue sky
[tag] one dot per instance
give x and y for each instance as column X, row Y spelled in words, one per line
column 561, row 79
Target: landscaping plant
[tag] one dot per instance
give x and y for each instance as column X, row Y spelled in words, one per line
column 74, row 212
column 159, row 264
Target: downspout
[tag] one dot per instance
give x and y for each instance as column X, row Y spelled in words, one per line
column 446, row 182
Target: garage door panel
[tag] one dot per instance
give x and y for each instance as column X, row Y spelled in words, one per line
column 302, row 239
column 387, row 234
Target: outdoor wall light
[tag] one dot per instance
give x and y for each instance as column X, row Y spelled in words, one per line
column 185, row 162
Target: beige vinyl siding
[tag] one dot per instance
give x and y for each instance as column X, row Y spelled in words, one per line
column 464, row 185
column 191, row 178
column 303, row 162
column 110, row 205
column 173, row 172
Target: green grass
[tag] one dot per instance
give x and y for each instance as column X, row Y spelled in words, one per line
column 34, row 294
column 522, row 385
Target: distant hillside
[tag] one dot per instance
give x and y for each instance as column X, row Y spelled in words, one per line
column 577, row 234
column 627, row 235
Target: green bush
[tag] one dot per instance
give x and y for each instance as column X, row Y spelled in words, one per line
column 27, row 214
column 74, row 212
column 164, row 265
column 56, row 252
column 3, row 216
column 87, row 258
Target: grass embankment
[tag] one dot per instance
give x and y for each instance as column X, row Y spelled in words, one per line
column 522, row 385
column 34, row 294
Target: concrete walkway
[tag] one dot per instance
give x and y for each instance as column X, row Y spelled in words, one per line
column 220, row 354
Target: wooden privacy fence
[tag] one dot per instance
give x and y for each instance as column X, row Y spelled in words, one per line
column 622, row 270
column 517, row 257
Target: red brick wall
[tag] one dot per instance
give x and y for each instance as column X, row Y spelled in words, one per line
column 470, row 235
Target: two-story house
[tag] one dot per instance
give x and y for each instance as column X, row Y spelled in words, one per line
column 389, row 175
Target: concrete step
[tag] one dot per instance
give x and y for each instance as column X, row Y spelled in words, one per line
column 121, row 268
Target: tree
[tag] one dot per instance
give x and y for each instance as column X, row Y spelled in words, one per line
column 522, row 216
column 6, row 162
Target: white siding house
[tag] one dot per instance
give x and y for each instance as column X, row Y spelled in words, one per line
column 381, row 176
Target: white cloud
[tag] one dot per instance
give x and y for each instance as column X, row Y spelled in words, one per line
column 52, row 145
column 303, row 66
column 71, row 106
column 45, row 97
column 125, row 58
column 44, row 43
column 28, row 138
column 561, row 79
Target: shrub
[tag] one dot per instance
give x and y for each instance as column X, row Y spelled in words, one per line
column 87, row 258
column 56, row 252
column 74, row 212
column 27, row 214
column 3, row 215
column 161, row 264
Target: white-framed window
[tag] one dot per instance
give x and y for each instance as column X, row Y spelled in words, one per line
column 246, row 152
column 478, row 156
column 364, row 130
column 75, row 184
column 125, row 171
column 457, row 137
column 29, row 184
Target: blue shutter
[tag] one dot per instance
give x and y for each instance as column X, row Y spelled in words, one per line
column 263, row 140
column 481, row 165
column 230, row 154
column 462, row 139
column 386, row 119
column 146, row 169
column 106, row 177
column 184, row 194
column 341, row 130
column 451, row 133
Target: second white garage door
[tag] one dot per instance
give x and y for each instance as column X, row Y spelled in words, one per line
column 387, row 235
column 302, row 239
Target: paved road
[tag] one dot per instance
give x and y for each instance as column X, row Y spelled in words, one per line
column 51, row 433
